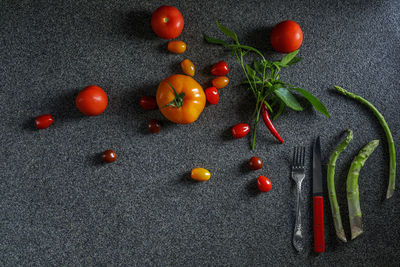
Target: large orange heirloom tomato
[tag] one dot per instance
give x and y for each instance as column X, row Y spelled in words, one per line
column 180, row 98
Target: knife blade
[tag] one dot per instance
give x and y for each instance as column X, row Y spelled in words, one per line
column 318, row 199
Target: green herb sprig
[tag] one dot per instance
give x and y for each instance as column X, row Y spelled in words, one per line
column 264, row 81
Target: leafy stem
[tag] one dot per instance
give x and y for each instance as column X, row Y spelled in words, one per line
column 263, row 79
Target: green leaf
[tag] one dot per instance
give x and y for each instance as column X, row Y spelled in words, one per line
column 276, row 65
column 231, row 34
column 294, row 61
column 314, row 101
column 258, row 67
column 212, row 40
column 286, row 96
column 250, row 71
column 289, row 57
column 280, row 110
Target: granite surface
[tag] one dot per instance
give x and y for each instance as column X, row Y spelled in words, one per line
column 60, row 206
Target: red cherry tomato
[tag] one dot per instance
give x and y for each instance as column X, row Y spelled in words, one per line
column 148, row 102
column 263, row 184
column 255, row 163
column 109, row 156
column 44, row 121
column 212, row 95
column 240, row 130
column 220, row 69
column 154, row 126
column 167, row 22
column 286, row 36
column 92, row 100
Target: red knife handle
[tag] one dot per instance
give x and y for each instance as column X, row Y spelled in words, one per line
column 319, row 236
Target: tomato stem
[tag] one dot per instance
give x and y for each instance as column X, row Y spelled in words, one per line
column 178, row 100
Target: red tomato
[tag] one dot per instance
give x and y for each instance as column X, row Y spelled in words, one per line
column 167, row 22
column 263, row 184
column 220, row 69
column 148, row 102
column 240, row 130
column 212, row 95
column 286, row 36
column 92, row 100
column 44, row 121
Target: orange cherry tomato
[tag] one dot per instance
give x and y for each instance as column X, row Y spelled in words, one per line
column 183, row 102
column 200, row 174
column 92, row 100
column 188, row 67
column 220, row 82
column 177, row 47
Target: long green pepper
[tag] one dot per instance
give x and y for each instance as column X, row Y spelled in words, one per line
column 337, row 220
column 389, row 137
column 353, row 199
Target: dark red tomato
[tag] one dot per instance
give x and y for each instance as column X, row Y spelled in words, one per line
column 286, row 36
column 109, row 156
column 240, row 130
column 255, row 163
column 220, row 69
column 148, row 102
column 92, row 100
column 263, row 184
column 154, row 126
column 167, row 22
column 44, row 121
column 212, row 95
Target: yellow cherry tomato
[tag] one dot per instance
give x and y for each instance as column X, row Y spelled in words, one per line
column 180, row 98
column 187, row 67
column 200, row 174
column 177, row 47
column 220, row 82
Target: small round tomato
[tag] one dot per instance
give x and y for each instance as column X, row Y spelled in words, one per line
column 188, row 67
column 154, row 126
column 180, row 98
column 167, row 22
column 92, row 100
column 286, row 36
column 240, row 130
column 263, row 184
column 177, row 47
column 220, row 82
column 148, row 102
column 220, row 69
column 200, row 174
column 212, row 95
column 109, row 156
column 255, row 163
column 44, row 121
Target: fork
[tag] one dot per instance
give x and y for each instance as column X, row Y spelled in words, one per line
column 298, row 175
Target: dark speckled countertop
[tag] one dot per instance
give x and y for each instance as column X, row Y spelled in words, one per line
column 60, row 206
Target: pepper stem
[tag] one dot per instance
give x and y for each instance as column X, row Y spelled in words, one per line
column 178, row 100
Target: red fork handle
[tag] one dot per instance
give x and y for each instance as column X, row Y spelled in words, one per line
column 319, row 236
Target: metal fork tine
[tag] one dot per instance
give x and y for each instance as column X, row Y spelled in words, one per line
column 304, row 156
column 294, row 156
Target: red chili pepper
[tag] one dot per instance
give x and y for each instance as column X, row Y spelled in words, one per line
column 268, row 123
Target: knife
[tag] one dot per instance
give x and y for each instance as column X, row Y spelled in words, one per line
column 318, row 199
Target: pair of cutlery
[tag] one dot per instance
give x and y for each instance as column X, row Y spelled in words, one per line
column 298, row 175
